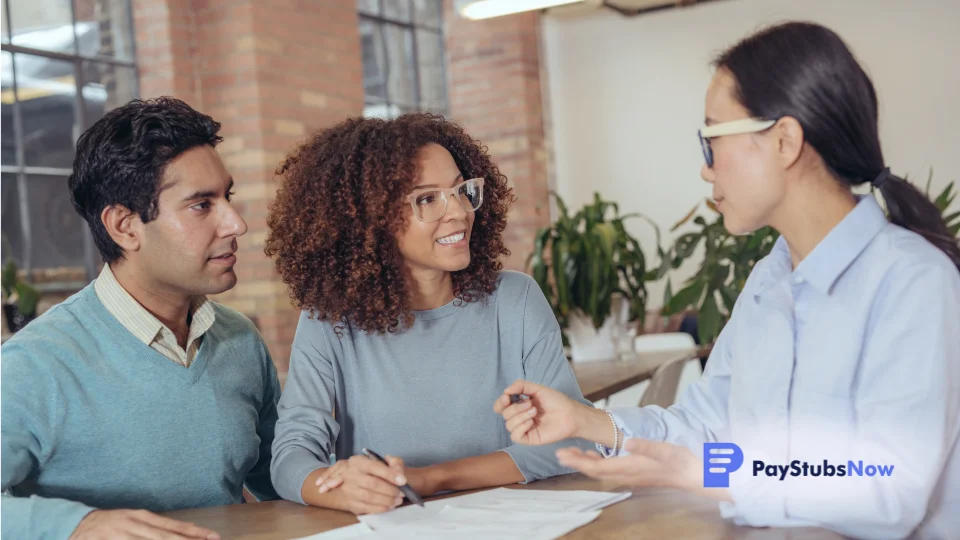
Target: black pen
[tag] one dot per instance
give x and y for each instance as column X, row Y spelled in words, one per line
column 517, row 398
column 406, row 489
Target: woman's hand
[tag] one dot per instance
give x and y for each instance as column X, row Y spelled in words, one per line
column 425, row 481
column 547, row 416
column 363, row 485
column 650, row 464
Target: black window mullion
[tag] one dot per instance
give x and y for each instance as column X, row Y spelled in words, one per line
column 73, row 27
column 6, row 20
column 386, row 62
column 417, row 97
column 68, row 57
column 23, row 201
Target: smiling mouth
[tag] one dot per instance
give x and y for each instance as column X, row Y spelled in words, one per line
column 453, row 238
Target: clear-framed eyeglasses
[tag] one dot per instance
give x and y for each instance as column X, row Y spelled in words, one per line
column 430, row 204
column 735, row 127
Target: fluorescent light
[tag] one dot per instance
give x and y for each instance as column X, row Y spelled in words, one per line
column 486, row 9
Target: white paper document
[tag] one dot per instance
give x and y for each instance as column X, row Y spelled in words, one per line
column 531, row 513
column 470, row 524
column 349, row 532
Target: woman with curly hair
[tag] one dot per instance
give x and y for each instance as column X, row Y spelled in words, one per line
column 389, row 235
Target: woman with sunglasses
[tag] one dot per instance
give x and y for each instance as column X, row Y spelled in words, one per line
column 837, row 376
column 389, row 234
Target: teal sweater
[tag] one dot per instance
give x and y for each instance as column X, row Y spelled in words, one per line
column 94, row 418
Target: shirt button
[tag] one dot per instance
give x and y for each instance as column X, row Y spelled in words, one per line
column 797, row 280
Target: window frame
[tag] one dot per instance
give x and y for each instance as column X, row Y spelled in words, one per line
column 381, row 21
column 91, row 256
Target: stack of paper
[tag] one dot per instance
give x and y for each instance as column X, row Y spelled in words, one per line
column 497, row 513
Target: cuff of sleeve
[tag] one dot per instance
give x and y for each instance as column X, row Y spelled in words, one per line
column 73, row 514
column 638, row 422
column 42, row 518
column 289, row 474
column 526, row 480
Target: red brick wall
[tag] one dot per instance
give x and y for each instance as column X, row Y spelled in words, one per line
column 495, row 92
column 271, row 73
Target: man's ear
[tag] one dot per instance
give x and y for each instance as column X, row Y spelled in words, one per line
column 123, row 225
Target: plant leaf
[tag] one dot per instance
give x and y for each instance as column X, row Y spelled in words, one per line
column 685, row 218
column 9, row 277
column 561, row 256
column 686, row 297
column 709, row 320
column 29, row 298
column 945, row 198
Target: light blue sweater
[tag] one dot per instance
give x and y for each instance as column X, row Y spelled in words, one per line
column 94, row 418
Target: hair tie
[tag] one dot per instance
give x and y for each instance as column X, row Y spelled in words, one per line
column 881, row 178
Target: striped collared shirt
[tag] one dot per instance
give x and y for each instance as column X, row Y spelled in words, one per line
column 147, row 328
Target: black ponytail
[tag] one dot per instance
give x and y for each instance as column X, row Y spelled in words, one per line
column 806, row 71
column 908, row 207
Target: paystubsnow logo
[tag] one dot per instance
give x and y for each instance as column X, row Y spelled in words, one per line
column 721, row 459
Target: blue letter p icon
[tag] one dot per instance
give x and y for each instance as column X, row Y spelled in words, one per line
column 719, row 460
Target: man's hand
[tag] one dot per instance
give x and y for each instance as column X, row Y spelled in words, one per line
column 137, row 524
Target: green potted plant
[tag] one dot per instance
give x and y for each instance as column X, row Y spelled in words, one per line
column 727, row 261
column 20, row 299
column 593, row 273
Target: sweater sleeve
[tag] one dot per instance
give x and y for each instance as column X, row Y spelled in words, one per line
column 258, row 480
column 30, row 413
column 545, row 364
column 306, row 430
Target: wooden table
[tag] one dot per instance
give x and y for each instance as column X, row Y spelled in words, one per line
column 601, row 379
column 648, row 514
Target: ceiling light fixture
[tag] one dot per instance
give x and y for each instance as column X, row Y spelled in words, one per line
column 486, row 9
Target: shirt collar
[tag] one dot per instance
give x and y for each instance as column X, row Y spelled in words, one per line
column 835, row 253
column 140, row 322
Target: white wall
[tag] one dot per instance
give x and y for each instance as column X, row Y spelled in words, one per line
column 626, row 94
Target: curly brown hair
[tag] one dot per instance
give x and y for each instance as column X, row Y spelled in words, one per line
column 333, row 226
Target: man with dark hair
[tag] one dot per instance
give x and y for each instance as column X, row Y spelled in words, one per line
column 138, row 392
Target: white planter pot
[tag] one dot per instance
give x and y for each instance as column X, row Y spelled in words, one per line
column 609, row 342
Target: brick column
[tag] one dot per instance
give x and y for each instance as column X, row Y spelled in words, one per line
column 495, row 92
column 272, row 73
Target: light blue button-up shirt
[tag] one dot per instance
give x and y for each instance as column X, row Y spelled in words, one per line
column 855, row 355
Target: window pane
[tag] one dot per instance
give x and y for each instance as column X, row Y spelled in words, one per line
column 42, row 24
column 433, row 90
column 381, row 110
column 400, row 75
column 397, row 10
column 47, row 91
column 106, row 87
column 103, row 28
column 428, row 12
column 374, row 61
column 7, row 138
column 10, row 217
column 369, row 6
column 56, row 229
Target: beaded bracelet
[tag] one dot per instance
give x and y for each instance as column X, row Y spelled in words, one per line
column 604, row 451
